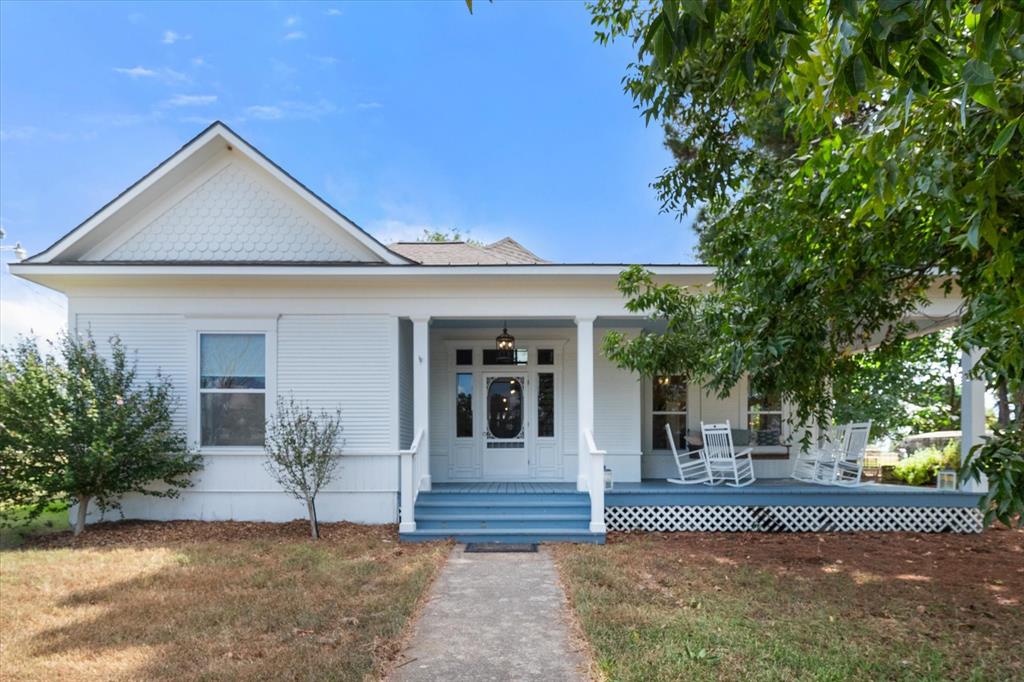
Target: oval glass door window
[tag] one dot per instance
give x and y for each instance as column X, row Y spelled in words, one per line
column 505, row 408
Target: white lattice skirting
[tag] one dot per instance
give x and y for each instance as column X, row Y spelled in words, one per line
column 779, row 519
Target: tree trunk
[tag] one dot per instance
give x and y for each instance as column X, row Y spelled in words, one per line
column 1004, row 404
column 313, row 526
column 83, row 509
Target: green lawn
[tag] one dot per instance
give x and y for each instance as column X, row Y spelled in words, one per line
column 807, row 607
column 53, row 520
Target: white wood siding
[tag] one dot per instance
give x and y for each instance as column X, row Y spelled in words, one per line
column 156, row 342
column 327, row 361
column 346, row 362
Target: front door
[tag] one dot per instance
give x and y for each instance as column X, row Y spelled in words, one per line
column 505, row 427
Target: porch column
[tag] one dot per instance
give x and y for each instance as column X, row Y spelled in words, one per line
column 584, row 395
column 972, row 414
column 421, row 399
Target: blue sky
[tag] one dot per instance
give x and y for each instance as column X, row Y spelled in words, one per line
column 405, row 116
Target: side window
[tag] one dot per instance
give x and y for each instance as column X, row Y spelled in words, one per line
column 764, row 418
column 463, row 405
column 668, row 406
column 546, row 405
column 232, row 389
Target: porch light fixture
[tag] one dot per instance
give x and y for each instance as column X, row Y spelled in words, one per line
column 505, row 342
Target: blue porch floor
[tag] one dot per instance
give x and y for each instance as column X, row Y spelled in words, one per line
column 771, row 491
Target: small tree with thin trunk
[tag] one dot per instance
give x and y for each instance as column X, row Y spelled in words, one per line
column 83, row 430
column 302, row 452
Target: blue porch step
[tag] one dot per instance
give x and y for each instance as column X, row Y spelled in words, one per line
column 514, row 517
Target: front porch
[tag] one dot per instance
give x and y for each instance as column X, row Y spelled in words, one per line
column 541, row 512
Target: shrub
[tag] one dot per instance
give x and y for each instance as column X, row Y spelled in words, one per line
column 302, row 452
column 82, row 429
column 922, row 467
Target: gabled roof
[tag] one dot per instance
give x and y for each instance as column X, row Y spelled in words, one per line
column 505, row 251
column 217, row 137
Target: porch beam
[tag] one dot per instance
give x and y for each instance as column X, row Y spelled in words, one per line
column 972, row 414
column 421, row 399
column 584, row 396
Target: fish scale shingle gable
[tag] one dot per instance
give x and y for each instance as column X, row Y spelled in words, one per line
column 232, row 217
column 505, row 251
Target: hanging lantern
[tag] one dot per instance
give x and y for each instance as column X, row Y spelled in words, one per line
column 505, row 343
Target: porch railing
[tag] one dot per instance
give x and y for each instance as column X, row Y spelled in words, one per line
column 596, row 483
column 408, row 486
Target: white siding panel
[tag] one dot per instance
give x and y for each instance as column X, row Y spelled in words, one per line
column 346, row 362
column 616, row 408
column 157, row 343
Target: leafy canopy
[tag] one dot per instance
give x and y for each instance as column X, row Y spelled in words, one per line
column 849, row 158
column 83, row 429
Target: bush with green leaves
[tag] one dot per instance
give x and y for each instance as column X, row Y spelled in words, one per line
column 923, row 466
column 302, row 452
column 1001, row 460
column 83, row 430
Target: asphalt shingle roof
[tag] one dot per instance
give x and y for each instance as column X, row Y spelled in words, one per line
column 505, row 251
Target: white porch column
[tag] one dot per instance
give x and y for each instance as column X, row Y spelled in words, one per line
column 972, row 414
column 584, row 395
column 421, row 398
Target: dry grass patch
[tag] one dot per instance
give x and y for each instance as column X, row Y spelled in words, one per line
column 737, row 606
column 191, row 600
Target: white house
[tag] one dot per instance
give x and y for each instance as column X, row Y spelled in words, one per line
column 228, row 275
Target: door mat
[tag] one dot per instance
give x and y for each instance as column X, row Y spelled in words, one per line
column 490, row 547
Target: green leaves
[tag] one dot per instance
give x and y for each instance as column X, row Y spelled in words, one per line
column 83, row 429
column 844, row 155
column 977, row 73
column 1004, row 137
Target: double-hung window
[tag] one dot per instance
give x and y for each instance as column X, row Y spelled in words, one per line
column 668, row 406
column 232, row 388
column 764, row 418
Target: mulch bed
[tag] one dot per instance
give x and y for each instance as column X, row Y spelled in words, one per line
column 948, row 563
column 156, row 533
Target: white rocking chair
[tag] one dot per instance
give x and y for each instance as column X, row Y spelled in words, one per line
column 810, row 466
column 724, row 463
column 849, row 466
column 691, row 471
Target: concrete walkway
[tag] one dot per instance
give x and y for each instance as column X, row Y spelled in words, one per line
column 493, row 617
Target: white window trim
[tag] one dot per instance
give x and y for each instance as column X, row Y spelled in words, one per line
column 229, row 325
column 652, row 413
column 783, row 421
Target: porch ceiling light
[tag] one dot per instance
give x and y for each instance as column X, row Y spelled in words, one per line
column 505, row 342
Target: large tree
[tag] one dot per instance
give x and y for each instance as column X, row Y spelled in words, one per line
column 848, row 156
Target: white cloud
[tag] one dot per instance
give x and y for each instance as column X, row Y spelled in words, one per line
column 171, row 37
column 22, row 133
column 19, row 133
column 295, row 35
column 190, row 101
column 292, row 21
column 264, row 112
column 309, row 111
column 166, row 75
column 198, row 61
column 325, row 61
column 137, row 72
column 369, row 105
column 333, row 12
